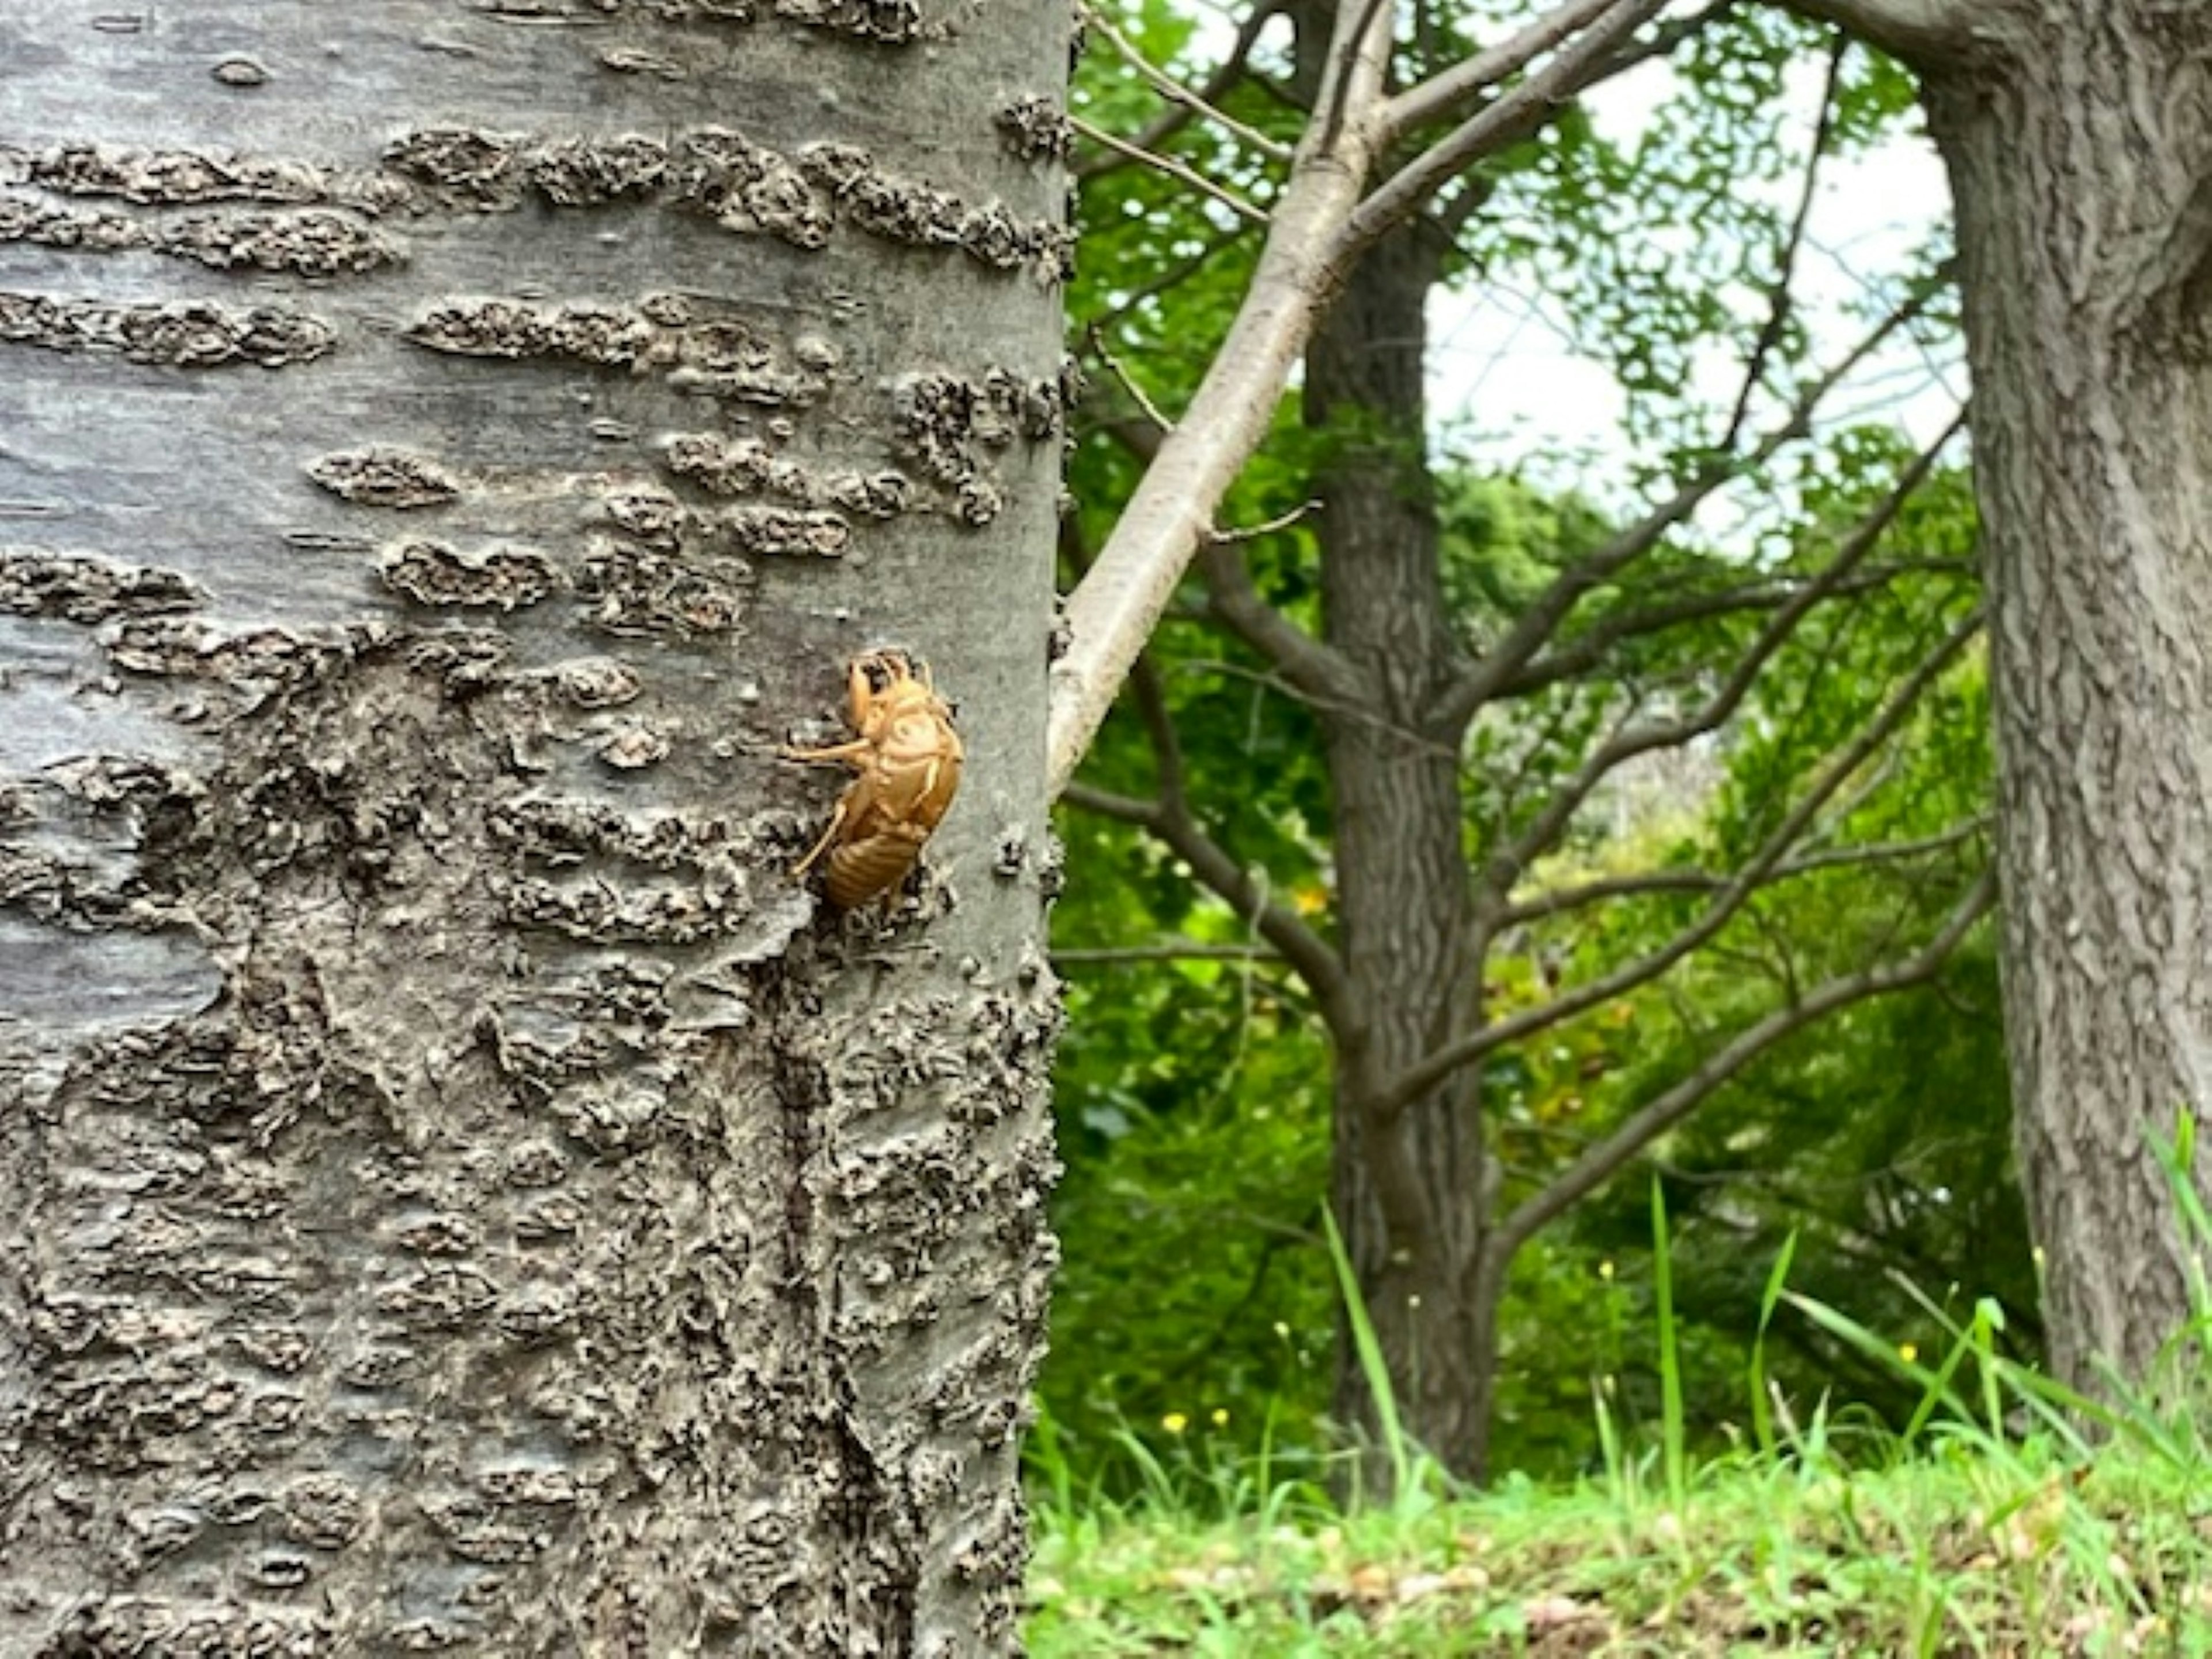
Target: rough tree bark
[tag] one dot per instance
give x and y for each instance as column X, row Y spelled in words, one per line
column 457, row 1191
column 1409, row 1181
column 2078, row 135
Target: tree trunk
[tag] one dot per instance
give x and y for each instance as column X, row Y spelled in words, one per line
column 2079, row 142
column 1410, row 1185
column 457, row 1189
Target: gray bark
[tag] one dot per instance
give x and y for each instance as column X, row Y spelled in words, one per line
column 457, row 1190
column 2078, row 139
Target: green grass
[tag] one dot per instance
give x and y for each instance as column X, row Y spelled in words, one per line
column 1954, row 1549
column 2009, row 1517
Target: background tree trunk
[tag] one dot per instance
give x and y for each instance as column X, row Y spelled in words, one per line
column 1409, row 1184
column 456, row 1190
column 2079, row 141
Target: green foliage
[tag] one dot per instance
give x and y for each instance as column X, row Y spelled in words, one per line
column 1196, row 1306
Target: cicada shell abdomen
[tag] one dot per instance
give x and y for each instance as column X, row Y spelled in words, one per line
column 864, row 870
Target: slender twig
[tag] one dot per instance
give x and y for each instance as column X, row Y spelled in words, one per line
column 1196, row 103
column 1418, row 1079
column 1537, row 625
column 1120, row 371
column 1605, row 889
column 1233, row 70
column 1597, row 1165
column 1587, row 649
column 1178, row 170
column 1252, row 532
column 1781, row 295
column 1311, row 955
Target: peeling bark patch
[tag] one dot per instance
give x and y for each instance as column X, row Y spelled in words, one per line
column 1035, row 129
column 638, row 593
column 677, row 879
column 909, row 211
column 950, row 425
column 747, row 466
column 893, row 23
column 84, row 588
column 134, row 1627
column 744, row 187
column 665, row 526
column 606, row 335
column 779, row 532
column 723, row 357
column 183, row 334
column 431, row 573
column 308, row 244
column 384, row 477
column 888, row 22
column 161, row 177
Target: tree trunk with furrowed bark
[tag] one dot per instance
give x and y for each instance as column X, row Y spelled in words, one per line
column 2078, row 135
column 457, row 1191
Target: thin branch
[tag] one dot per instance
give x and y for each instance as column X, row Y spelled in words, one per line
column 1537, row 625
column 1321, row 673
column 1281, row 521
column 1173, row 168
column 1508, row 118
column 1138, row 395
column 1559, row 810
column 1602, row 1160
column 1180, row 271
column 1356, row 70
column 1193, row 103
column 1586, row 650
column 1174, row 949
column 1444, row 92
column 1584, row 894
column 1417, row 1080
column 1306, row 950
column 1781, row 296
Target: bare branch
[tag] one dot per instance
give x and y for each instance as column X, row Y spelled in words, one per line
column 1444, row 93
column 1173, row 950
column 1191, row 103
column 1586, row 650
column 1316, row 671
column 1537, row 624
column 1584, row 894
column 1417, row 1080
column 1323, row 674
column 1605, row 1159
column 1310, row 955
column 1120, row 372
column 1174, row 169
column 1559, row 811
column 1281, row 521
column 1508, row 118
column 1170, row 514
column 1780, row 296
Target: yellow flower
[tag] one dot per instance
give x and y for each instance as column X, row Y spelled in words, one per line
column 1604, row 1271
column 1220, row 1417
column 1908, row 1351
column 1175, row 1422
